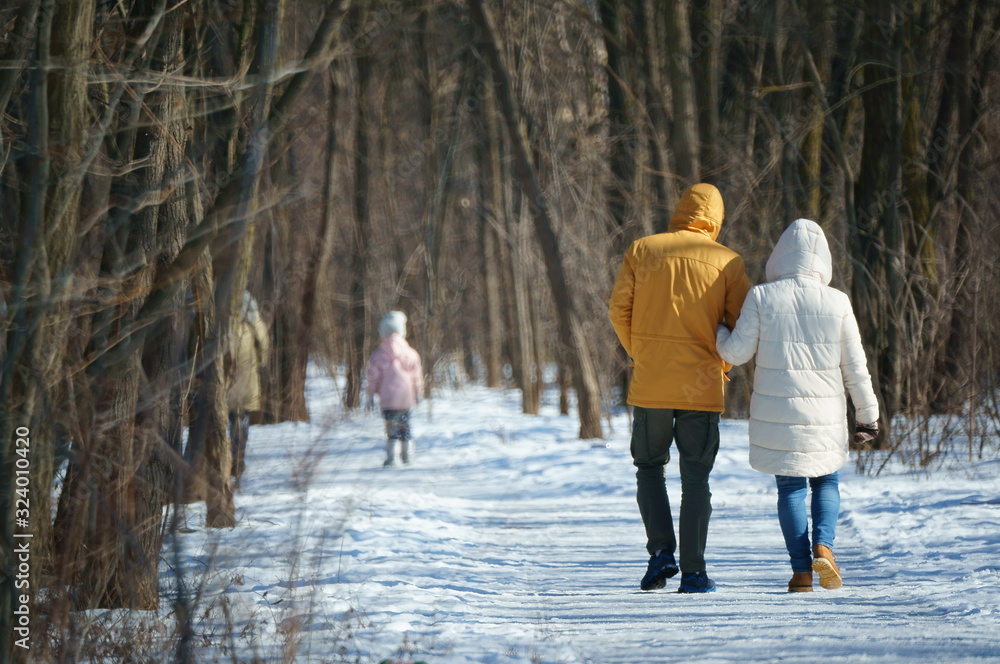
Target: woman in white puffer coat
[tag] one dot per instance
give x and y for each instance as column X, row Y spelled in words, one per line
column 808, row 348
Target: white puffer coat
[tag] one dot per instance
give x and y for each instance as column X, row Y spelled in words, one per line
column 808, row 348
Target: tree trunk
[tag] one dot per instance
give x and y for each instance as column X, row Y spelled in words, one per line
column 119, row 472
column 512, row 261
column 358, row 311
column 229, row 273
column 957, row 366
column 72, row 43
column 490, row 183
column 622, row 127
column 520, row 262
column 318, row 259
column 439, row 209
column 36, row 350
column 650, row 35
column 570, row 332
column 493, row 326
column 160, row 413
column 565, row 383
column 685, row 138
column 817, row 40
column 290, row 357
column 706, row 45
column 877, row 238
column 208, row 453
column 18, row 414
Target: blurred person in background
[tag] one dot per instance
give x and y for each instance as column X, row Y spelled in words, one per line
column 395, row 374
column 249, row 346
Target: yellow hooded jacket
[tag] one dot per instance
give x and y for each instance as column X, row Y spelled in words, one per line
column 672, row 292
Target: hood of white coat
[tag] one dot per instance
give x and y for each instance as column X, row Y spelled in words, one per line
column 802, row 251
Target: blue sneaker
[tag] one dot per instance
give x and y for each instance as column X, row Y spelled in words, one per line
column 661, row 568
column 696, row 582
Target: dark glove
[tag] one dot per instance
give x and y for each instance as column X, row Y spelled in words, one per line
column 864, row 435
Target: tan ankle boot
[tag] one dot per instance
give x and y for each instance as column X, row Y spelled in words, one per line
column 825, row 565
column 802, row 582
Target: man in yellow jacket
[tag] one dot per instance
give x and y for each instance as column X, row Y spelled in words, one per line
column 672, row 292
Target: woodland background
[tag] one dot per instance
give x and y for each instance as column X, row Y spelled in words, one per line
column 481, row 166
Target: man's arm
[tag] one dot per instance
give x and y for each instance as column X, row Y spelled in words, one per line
column 620, row 306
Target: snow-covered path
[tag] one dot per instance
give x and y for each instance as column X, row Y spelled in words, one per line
column 509, row 540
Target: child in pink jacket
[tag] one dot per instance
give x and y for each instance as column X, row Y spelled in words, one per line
column 395, row 375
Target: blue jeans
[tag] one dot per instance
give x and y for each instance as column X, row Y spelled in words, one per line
column 794, row 520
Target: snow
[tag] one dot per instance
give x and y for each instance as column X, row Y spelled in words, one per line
column 509, row 540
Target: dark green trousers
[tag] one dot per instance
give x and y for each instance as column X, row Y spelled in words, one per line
column 696, row 434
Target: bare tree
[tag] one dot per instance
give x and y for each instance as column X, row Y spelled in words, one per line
column 570, row 332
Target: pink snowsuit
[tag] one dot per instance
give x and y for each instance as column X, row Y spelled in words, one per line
column 395, row 374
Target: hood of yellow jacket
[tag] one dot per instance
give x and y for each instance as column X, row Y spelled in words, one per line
column 701, row 210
